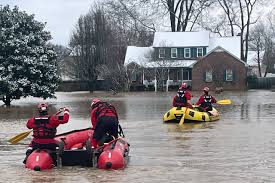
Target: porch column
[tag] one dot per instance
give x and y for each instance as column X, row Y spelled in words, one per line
column 181, row 74
column 156, row 81
column 143, row 76
column 167, row 82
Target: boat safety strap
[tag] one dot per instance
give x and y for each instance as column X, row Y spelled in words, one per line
column 120, row 131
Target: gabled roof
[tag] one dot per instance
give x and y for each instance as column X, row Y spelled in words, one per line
column 220, row 49
column 181, row 39
column 138, row 55
column 231, row 44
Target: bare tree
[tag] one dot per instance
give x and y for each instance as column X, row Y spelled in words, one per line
column 257, row 43
column 184, row 13
column 229, row 9
column 269, row 38
column 89, row 43
column 239, row 14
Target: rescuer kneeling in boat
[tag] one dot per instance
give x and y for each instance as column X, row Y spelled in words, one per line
column 44, row 129
column 183, row 97
column 105, row 123
column 205, row 101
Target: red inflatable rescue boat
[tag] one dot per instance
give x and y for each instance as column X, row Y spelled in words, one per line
column 75, row 149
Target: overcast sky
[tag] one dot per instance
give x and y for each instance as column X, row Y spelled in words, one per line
column 60, row 15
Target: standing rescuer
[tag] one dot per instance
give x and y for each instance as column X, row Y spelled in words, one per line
column 105, row 123
column 205, row 101
column 44, row 129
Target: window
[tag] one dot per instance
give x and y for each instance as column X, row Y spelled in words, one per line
column 228, row 75
column 199, row 52
column 187, row 53
column 185, row 75
column 161, row 53
column 208, row 76
column 134, row 76
column 174, row 53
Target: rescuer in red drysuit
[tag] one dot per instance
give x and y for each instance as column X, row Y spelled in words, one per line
column 205, row 101
column 44, row 128
column 183, row 97
column 105, row 123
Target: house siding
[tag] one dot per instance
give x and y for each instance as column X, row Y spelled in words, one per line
column 218, row 62
column 180, row 53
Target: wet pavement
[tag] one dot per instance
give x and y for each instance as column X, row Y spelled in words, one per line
column 238, row 148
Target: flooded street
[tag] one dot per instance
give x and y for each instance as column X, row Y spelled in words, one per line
column 240, row 147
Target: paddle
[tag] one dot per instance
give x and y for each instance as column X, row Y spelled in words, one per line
column 224, row 102
column 23, row 135
column 182, row 117
column 19, row 137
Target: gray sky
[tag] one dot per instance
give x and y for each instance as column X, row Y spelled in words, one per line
column 60, row 15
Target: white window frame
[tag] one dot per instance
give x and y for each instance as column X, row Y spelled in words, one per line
column 174, row 51
column 185, row 51
column 201, row 52
column 228, row 75
column 160, row 54
column 209, row 76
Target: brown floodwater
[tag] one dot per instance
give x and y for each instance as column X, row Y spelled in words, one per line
column 240, row 147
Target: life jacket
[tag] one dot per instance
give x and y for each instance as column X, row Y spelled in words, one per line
column 43, row 130
column 207, row 101
column 105, row 109
column 181, row 99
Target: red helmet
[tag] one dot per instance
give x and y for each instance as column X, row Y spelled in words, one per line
column 43, row 107
column 184, row 85
column 94, row 101
column 206, row 89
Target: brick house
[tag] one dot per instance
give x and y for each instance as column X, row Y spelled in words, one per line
column 170, row 60
column 219, row 68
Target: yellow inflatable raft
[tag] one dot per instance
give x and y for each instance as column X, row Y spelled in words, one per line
column 191, row 115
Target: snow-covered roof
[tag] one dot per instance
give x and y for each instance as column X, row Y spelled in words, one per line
column 231, row 44
column 169, row 63
column 138, row 55
column 181, row 39
column 143, row 57
column 252, row 57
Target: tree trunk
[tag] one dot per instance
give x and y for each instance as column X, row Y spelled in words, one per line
column 7, row 100
column 259, row 62
column 170, row 4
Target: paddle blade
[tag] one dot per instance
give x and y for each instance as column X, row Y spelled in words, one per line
column 224, row 102
column 182, row 118
column 19, row 137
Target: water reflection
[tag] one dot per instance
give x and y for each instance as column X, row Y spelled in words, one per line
column 189, row 127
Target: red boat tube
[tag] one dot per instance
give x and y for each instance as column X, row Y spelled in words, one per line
column 75, row 139
column 39, row 160
column 114, row 155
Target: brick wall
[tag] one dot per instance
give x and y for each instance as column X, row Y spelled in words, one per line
column 218, row 62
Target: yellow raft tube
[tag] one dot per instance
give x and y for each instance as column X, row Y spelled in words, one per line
column 191, row 115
